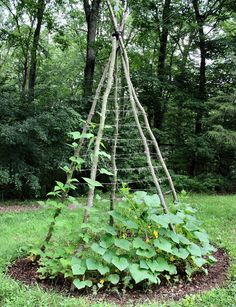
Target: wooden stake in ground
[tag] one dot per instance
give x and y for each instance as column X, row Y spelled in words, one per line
column 115, row 141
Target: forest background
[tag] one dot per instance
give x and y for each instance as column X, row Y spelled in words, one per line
column 183, row 62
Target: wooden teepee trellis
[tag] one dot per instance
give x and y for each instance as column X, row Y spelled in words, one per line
column 119, row 50
column 117, row 56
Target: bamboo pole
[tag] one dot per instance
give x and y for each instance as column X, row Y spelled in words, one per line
column 93, row 172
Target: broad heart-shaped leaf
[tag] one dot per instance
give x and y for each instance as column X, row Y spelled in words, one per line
column 163, row 244
column 165, row 219
column 114, row 278
column 139, row 243
column 82, row 284
column 122, row 243
column 98, row 249
column 117, row 216
column 93, row 265
column 108, row 256
column 146, row 253
column 180, row 252
column 120, row 262
column 78, row 269
column 194, row 250
column 106, row 241
column 106, row 172
column 183, row 239
column 143, row 264
column 92, row 183
column 199, row 261
column 131, row 225
column 152, row 200
column 174, row 237
column 202, row 236
column 139, row 274
column 109, row 229
column 160, row 264
column 207, row 248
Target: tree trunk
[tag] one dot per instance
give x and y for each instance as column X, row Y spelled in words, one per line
column 33, row 54
column 159, row 108
column 91, row 13
column 201, row 92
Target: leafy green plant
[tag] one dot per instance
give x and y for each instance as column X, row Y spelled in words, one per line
column 140, row 247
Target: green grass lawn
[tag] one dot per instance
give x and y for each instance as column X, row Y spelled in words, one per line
column 19, row 230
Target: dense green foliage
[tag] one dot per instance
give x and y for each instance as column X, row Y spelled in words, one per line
column 185, row 79
column 138, row 248
column 216, row 212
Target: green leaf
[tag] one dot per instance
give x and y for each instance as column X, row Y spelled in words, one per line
column 163, row 244
column 82, row 284
column 180, row 252
column 172, row 235
column 106, row 241
column 108, row 256
column 131, row 225
column 98, row 249
column 92, row 183
column 106, row 172
column 93, row 265
column 161, row 264
column 78, row 269
column 212, row 259
column 202, row 236
column 104, row 154
column 139, row 243
column 165, row 219
column 120, row 262
column 199, row 261
column 123, row 243
column 152, row 200
column 86, row 136
column 194, row 250
column 61, row 186
column 139, row 274
column 118, row 216
column 110, row 229
column 146, row 253
column 66, row 169
column 114, row 279
column 75, row 135
column 183, row 239
column 79, row 161
column 143, row 264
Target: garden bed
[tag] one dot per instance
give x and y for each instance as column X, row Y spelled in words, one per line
column 25, row 271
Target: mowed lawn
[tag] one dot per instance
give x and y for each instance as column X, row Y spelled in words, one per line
column 18, row 231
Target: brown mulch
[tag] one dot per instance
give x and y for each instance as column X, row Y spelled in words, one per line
column 25, row 271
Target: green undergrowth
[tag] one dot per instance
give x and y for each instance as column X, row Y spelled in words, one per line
column 20, row 231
